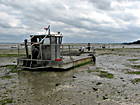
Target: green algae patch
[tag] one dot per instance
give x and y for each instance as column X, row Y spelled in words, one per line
column 8, row 55
column 105, row 74
column 135, row 66
column 134, row 72
column 102, row 74
column 6, row 77
column 6, row 101
column 132, row 59
column 13, row 68
column 9, row 66
column 135, row 81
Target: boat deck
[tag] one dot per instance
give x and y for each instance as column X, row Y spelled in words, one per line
column 66, row 63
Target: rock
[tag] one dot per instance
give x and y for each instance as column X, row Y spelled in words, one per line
column 136, row 94
column 119, row 92
column 74, row 76
column 126, row 97
column 121, row 77
column 84, row 92
column 99, row 83
column 123, row 80
column 14, row 61
column 95, row 89
column 104, row 98
column 92, row 81
column 57, row 84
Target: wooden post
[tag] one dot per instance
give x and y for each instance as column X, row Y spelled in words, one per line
column 18, row 50
column 69, row 52
column 26, row 48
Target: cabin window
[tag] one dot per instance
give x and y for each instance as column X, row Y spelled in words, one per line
column 60, row 40
column 33, row 40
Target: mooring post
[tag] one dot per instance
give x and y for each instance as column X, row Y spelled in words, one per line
column 26, row 48
column 88, row 47
column 69, row 49
column 18, row 49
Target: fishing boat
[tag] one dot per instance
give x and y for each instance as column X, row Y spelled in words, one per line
column 45, row 51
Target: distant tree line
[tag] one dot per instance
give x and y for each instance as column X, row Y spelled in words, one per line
column 135, row 42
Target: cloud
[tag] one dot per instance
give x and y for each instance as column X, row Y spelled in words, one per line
column 79, row 21
column 101, row 4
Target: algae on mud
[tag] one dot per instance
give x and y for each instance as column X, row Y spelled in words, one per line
column 135, row 66
column 135, row 81
column 101, row 73
column 13, row 68
column 6, row 77
column 134, row 72
column 105, row 74
column 133, row 59
column 6, row 101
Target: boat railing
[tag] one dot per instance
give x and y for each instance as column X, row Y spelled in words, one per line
column 65, row 49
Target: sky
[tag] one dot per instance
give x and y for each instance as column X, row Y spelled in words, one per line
column 80, row 21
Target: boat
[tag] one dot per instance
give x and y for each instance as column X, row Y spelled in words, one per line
column 45, row 51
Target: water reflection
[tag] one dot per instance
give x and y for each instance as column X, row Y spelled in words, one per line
column 34, row 87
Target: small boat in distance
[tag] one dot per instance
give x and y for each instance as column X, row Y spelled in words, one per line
column 47, row 51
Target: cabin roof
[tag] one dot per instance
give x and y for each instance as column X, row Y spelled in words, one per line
column 47, row 36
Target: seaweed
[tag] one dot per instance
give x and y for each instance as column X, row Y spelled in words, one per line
column 135, row 66
column 103, row 74
column 134, row 72
column 13, row 68
column 132, row 59
column 135, row 81
column 6, row 101
column 6, row 77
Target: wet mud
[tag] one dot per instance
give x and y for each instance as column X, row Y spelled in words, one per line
column 86, row 85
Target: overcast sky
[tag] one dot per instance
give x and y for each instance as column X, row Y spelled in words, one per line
column 82, row 21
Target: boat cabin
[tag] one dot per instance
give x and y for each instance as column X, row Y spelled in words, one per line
column 46, row 47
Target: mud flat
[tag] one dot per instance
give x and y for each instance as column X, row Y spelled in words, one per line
column 114, row 80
